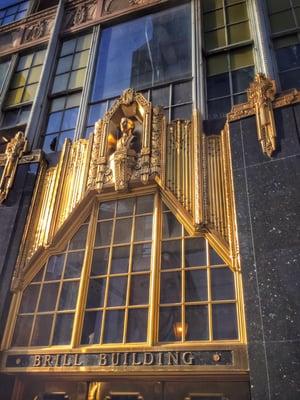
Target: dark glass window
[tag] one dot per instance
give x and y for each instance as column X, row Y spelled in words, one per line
column 16, row 10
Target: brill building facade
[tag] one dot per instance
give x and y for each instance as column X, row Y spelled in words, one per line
column 149, row 199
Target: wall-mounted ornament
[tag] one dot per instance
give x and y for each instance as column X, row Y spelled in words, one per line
column 36, row 31
column 261, row 95
column 79, row 14
column 112, row 6
column 13, row 153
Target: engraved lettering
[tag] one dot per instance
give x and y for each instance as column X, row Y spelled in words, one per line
column 135, row 360
column 57, row 360
column 47, row 361
column 125, row 358
column 77, row 363
column 66, row 361
column 37, row 361
column 173, row 358
column 148, row 359
column 115, row 359
column 188, row 358
column 160, row 358
column 103, row 359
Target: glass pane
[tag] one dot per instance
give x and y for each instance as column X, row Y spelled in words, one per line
column 215, row 259
column 76, row 79
column 236, row 13
column 143, row 228
column 171, row 254
column 195, row 285
column 68, row 296
column 63, row 329
column 29, row 92
column 24, row 62
column 137, row 325
column 79, row 239
column 24, row 115
column 80, row 60
column 34, row 74
column 117, row 291
column 68, row 47
column 29, row 299
column 113, row 329
column 224, row 321
column 120, row 259
column 217, row 64
column 238, row 32
column 107, row 210
column 55, row 267
column 139, row 289
column 64, row 65
column 171, row 227
column 22, row 330
column 99, row 262
column 83, row 42
column 73, row 100
column 182, row 112
column 60, row 83
column 58, row 104
column 168, row 317
column 288, row 57
column 74, row 264
column 170, row 287
column 290, row 79
column 219, row 108
column 161, row 96
column 96, row 111
column 39, row 57
column 42, row 330
column 125, row 207
column 218, row 86
column 282, row 21
column 62, row 138
column 214, row 19
column 222, row 284
column 141, row 257
column 277, row 5
column 14, row 97
column 212, row 4
column 196, row 323
column 182, row 92
column 70, row 118
column 19, row 79
column 215, row 39
column 96, row 293
column 39, row 276
column 123, row 231
column 195, row 252
column 91, row 327
column 54, row 122
column 241, row 79
column 144, row 205
column 48, row 297
column 50, row 143
column 103, row 233
column 146, row 55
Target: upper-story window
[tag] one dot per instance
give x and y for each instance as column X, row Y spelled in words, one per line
column 151, row 54
column 229, row 58
column 285, row 27
column 14, row 11
column 22, row 89
column 65, row 93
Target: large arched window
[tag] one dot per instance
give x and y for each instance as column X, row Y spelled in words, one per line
column 138, row 279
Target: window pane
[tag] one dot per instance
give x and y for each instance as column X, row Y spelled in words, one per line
column 214, row 19
column 69, row 119
column 120, row 259
column 171, row 254
column 182, row 112
column 123, row 230
column 103, row 233
column 196, row 323
column 113, row 330
column 282, row 21
column 222, row 284
column 68, row 296
column 161, row 97
column 218, row 86
column 42, row 330
column 29, row 92
column 29, row 299
column 125, row 207
column 238, row 32
column 99, row 262
column 236, row 13
column 139, row 289
column 48, row 297
column 91, row 327
column 196, row 285
column 137, row 325
column 195, row 252
column 19, row 79
column 24, row 62
column 182, row 92
column 63, row 329
column 170, row 290
column 76, row 79
column 224, row 321
column 141, row 257
column 80, row 60
column 39, row 57
column 171, row 227
column 68, row 47
column 145, row 58
column 241, row 79
column 117, row 291
column 60, row 83
column 54, row 122
column 54, row 267
column 14, row 96
column 22, row 330
column 168, row 317
column 107, row 210
column 64, row 64
column 74, row 264
column 96, row 293
column 215, row 39
column 144, row 205
column 34, row 74
column 79, row 239
column 143, row 228
column 83, row 42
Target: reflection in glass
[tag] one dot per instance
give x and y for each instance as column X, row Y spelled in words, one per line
column 48, row 297
column 107, row 210
column 143, row 228
column 123, row 230
column 170, row 289
column 55, row 267
column 96, row 293
column 195, row 285
column 171, row 227
column 144, row 204
column 74, row 264
column 139, row 289
column 103, row 233
column 99, row 262
column 224, row 321
column 79, row 239
column 222, row 284
column 167, row 318
column 42, row 330
column 22, row 330
column 63, row 329
column 141, row 257
column 171, row 254
column 113, row 328
column 68, row 296
column 137, row 325
column 125, row 207
column 197, row 321
column 117, row 291
column 91, row 327
column 29, row 299
column 120, row 259
column 195, row 252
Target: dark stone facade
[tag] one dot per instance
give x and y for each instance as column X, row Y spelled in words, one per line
column 268, row 216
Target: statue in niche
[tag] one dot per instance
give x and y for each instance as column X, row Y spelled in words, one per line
column 122, row 154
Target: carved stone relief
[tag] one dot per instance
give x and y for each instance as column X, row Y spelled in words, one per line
column 111, row 6
column 80, row 14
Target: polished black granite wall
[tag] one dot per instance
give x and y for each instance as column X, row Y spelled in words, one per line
column 267, row 195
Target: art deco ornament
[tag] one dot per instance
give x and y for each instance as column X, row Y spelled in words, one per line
column 261, row 95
